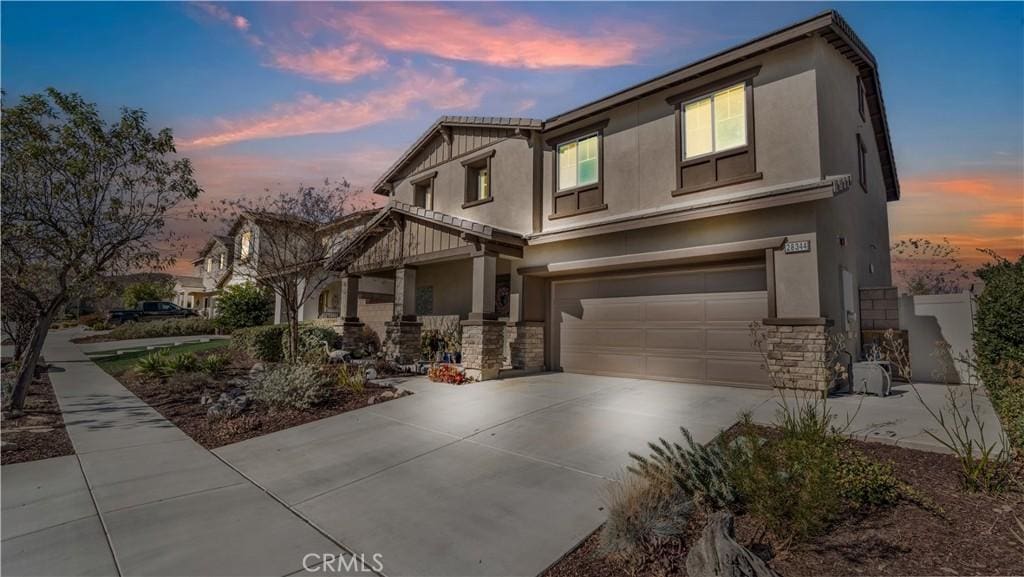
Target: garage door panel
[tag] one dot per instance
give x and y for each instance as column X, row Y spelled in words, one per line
column 676, row 368
column 736, row 371
column 603, row 363
column 729, row 340
column 602, row 310
column 740, row 309
column 601, row 337
column 691, row 339
column 678, row 310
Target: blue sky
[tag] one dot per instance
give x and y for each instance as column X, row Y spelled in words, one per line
column 267, row 95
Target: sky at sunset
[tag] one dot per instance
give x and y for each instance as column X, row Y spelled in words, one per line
column 270, row 95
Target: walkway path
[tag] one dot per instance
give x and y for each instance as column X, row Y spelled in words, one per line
column 139, row 497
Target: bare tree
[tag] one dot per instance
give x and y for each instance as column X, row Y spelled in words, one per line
column 81, row 200
column 296, row 234
column 927, row 267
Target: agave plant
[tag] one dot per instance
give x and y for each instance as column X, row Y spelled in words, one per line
column 155, row 365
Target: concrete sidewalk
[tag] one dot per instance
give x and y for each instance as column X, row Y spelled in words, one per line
column 140, row 497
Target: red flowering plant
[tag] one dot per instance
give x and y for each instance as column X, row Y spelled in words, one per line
column 444, row 373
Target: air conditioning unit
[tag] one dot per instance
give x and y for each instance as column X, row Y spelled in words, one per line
column 872, row 378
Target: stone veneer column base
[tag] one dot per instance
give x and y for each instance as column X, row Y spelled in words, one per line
column 351, row 334
column 527, row 345
column 402, row 341
column 796, row 354
column 482, row 350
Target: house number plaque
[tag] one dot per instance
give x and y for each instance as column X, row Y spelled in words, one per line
column 797, row 246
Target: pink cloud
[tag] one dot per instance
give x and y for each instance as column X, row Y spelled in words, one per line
column 441, row 89
column 512, row 41
column 238, row 22
column 341, row 64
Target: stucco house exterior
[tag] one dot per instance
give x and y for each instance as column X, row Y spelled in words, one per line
column 640, row 234
column 185, row 290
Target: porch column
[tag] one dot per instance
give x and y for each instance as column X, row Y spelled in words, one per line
column 349, row 327
column 526, row 322
column 402, row 334
column 482, row 334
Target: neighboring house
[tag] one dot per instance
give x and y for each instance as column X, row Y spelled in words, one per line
column 186, row 289
column 640, row 234
column 214, row 267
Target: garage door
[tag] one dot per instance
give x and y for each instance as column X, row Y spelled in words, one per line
column 690, row 326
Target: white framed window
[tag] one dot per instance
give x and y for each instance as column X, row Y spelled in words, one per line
column 715, row 122
column 245, row 245
column 578, row 162
column 209, row 264
column 223, row 261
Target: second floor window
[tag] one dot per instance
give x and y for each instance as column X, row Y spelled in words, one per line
column 245, row 248
column 478, row 179
column 209, row 264
column 716, row 123
column 577, row 162
column 223, row 261
column 423, row 192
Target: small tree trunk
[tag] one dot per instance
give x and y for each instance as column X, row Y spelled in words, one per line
column 27, row 370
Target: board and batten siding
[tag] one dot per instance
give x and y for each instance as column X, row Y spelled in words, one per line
column 464, row 140
column 415, row 239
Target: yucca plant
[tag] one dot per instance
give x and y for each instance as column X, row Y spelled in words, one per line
column 183, row 363
column 699, row 471
column 153, row 365
column 213, row 364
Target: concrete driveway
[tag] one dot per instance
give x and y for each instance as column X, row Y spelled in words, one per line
column 494, row 478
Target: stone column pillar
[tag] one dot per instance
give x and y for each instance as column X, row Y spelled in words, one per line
column 348, row 326
column 402, row 334
column 482, row 351
column 484, row 273
column 796, row 353
column 526, row 324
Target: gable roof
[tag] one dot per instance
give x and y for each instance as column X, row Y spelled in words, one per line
column 435, row 128
column 829, row 24
column 447, row 221
column 227, row 242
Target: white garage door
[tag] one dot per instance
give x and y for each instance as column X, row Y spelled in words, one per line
column 690, row 326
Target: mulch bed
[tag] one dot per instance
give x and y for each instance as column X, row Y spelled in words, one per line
column 972, row 536
column 39, row 432
column 183, row 407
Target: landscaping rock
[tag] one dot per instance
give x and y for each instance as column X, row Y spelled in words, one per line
column 717, row 554
column 386, row 396
column 371, row 374
column 338, row 356
column 231, row 403
column 257, row 368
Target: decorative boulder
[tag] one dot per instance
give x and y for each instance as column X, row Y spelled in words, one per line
column 717, row 554
column 338, row 356
column 371, row 374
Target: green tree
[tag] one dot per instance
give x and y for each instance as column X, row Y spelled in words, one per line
column 999, row 322
column 244, row 305
column 146, row 291
column 82, row 199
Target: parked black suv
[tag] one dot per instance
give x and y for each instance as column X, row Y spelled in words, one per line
column 148, row 311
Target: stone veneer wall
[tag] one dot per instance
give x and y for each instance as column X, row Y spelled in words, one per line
column 482, row 348
column 351, row 334
column 796, row 356
column 402, row 341
column 527, row 345
column 879, row 308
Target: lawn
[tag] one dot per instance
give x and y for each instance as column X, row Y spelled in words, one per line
column 117, row 364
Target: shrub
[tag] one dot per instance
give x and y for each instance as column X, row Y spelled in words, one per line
column 698, row 471
column 642, row 516
column 431, row 342
column 444, row 373
column 297, row 386
column 314, row 343
column 146, row 291
column 351, row 379
column 183, row 363
column 263, row 343
column 166, row 328
column 863, row 481
column 153, row 365
column 789, row 480
column 214, row 363
column 244, row 305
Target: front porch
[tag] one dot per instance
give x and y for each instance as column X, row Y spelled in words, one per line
column 444, row 271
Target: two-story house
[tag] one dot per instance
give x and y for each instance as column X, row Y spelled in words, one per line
column 640, row 234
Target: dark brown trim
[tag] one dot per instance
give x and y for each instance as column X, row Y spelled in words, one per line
column 468, row 167
column 747, row 78
column 719, row 184
column 861, row 97
column 538, row 181
column 714, row 85
column 799, row 322
column 862, row 163
column 769, row 267
column 423, row 178
column 478, row 158
column 575, row 192
column 477, row 202
column 554, row 141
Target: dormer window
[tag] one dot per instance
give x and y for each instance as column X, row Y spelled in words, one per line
column 209, row 264
column 478, row 179
column 245, row 245
column 223, row 261
column 715, row 135
column 423, row 191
